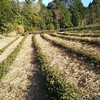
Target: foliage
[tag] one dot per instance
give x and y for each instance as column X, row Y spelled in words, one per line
column 59, row 14
column 77, row 11
column 50, row 26
column 20, row 29
column 6, row 14
column 95, row 12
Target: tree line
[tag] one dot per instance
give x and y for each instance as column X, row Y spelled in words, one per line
column 58, row 14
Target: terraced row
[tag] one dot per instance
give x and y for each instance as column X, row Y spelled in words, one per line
column 89, row 40
column 80, row 34
column 73, row 70
column 23, row 80
column 85, row 51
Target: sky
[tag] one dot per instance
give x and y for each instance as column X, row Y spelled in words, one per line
column 85, row 2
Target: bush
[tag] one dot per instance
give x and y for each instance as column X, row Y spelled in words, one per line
column 20, row 29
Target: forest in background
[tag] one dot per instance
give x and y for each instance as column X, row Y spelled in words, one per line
column 58, row 14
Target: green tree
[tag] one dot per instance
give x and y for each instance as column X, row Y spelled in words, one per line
column 65, row 20
column 36, row 21
column 6, row 14
column 46, row 16
column 28, row 14
column 42, row 13
column 77, row 11
column 16, row 9
column 61, row 14
column 95, row 11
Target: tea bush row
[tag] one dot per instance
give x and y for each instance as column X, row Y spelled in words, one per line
column 87, row 57
column 58, row 88
column 9, row 60
column 95, row 42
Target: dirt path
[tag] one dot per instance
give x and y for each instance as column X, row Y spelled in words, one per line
column 10, row 49
column 79, row 46
column 74, row 70
column 5, row 41
column 24, row 80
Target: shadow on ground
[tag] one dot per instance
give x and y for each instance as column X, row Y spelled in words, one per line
column 37, row 90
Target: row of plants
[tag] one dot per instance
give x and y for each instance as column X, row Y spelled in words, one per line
column 9, row 60
column 4, row 48
column 57, row 86
column 95, row 62
column 80, row 34
column 42, row 31
column 95, row 42
column 87, row 27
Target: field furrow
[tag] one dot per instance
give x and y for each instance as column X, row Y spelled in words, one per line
column 74, row 70
column 5, row 41
column 10, row 49
column 23, row 80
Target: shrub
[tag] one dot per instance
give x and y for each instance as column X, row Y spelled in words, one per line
column 20, row 29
